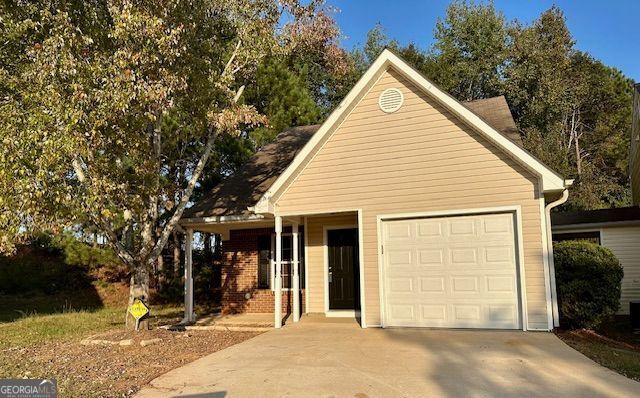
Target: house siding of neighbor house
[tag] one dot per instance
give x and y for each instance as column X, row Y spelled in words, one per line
column 625, row 244
column 617, row 229
column 420, row 158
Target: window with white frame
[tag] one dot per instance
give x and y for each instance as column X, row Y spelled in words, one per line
column 266, row 261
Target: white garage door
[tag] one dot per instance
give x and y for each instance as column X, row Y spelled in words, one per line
column 455, row 272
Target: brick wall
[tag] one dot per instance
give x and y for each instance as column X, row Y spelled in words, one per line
column 240, row 276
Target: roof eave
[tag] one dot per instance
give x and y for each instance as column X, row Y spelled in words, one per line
column 222, row 219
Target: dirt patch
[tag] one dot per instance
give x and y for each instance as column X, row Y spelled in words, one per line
column 622, row 356
column 115, row 370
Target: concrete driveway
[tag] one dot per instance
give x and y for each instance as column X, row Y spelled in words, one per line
column 341, row 360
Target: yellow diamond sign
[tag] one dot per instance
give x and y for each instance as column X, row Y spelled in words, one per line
column 138, row 309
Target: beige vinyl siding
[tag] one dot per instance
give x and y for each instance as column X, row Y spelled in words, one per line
column 418, row 159
column 625, row 244
column 315, row 255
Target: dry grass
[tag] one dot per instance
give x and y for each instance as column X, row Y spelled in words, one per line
column 613, row 346
column 41, row 343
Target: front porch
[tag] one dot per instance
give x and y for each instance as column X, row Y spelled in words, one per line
column 284, row 268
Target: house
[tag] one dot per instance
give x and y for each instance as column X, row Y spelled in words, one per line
column 617, row 229
column 404, row 208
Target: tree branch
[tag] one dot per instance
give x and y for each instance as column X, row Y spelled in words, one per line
column 173, row 221
column 117, row 246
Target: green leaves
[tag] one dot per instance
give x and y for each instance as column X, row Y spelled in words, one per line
column 113, row 108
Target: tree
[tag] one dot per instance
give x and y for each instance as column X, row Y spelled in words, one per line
column 469, row 51
column 282, row 95
column 114, row 124
column 574, row 112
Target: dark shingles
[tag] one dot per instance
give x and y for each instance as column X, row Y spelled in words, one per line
column 495, row 112
column 595, row 216
column 245, row 187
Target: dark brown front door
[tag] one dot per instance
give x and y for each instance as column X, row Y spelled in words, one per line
column 344, row 286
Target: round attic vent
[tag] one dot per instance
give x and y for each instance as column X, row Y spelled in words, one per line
column 390, row 100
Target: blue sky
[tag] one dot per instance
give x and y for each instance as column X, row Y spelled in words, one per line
column 608, row 30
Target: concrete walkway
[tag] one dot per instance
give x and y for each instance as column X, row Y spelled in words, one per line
column 341, row 360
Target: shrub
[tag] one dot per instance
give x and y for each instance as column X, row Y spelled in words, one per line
column 588, row 279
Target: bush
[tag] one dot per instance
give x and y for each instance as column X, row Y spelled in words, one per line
column 588, row 279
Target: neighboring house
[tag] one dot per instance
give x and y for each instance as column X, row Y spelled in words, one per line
column 617, row 229
column 404, row 208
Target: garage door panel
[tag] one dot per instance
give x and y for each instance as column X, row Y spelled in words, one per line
column 429, row 229
column 464, row 256
column 399, row 258
column 451, row 272
column 401, row 285
column 433, row 284
column 431, row 257
column 464, row 285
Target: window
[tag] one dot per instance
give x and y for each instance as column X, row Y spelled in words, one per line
column 266, row 261
column 591, row 236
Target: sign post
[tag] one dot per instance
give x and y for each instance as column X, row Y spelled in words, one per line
column 138, row 311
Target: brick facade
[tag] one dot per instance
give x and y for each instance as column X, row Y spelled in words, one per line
column 240, row 276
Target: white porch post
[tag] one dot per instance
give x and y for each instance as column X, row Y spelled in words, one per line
column 278, row 277
column 296, row 274
column 189, row 316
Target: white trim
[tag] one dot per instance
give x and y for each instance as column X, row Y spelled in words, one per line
column 552, row 266
column 325, row 247
column 290, row 263
column 189, row 314
column 295, row 279
column 550, row 180
column 524, row 305
column 517, row 219
column 342, row 314
column 223, row 219
column 278, row 275
column 363, row 312
column 547, row 251
column 380, row 268
column 306, row 269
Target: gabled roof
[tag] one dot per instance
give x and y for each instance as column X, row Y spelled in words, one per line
column 550, row 180
column 243, row 188
column 235, row 194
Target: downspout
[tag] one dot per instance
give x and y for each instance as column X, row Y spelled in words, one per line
column 552, row 268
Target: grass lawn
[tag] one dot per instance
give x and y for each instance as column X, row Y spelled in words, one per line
column 44, row 341
column 613, row 345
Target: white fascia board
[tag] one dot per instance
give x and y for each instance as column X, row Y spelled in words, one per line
column 551, row 181
column 222, row 219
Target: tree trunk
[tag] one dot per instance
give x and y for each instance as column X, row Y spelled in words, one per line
column 578, row 156
column 138, row 289
column 176, row 254
column 160, row 271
